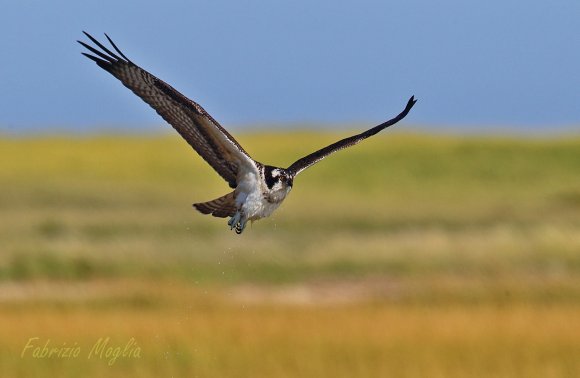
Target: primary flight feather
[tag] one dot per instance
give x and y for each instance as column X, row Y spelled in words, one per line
column 258, row 188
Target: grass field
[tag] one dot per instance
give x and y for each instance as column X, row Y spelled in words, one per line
column 408, row 255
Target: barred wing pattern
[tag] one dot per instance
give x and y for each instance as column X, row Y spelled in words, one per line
column 222, row 207
column 207, row 137
column 305, row 162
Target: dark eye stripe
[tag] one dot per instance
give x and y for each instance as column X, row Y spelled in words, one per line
column 270, row 180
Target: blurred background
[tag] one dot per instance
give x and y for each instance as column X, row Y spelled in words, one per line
column 446, row 246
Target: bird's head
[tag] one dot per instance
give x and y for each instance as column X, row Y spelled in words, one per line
column 278, row 178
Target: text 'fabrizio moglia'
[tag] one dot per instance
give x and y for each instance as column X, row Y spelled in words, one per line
column 101, row 349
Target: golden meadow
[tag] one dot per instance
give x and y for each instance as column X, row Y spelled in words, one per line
column 407, row 255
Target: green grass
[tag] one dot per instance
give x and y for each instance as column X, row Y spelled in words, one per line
column 397, row 204
column 407, row 255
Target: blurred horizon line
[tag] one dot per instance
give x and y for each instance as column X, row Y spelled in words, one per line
column 154, row 129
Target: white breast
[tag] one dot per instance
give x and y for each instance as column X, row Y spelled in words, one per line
column 255, row 199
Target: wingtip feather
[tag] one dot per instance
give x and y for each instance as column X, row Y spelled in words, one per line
column 412, row 101
column 116, row 48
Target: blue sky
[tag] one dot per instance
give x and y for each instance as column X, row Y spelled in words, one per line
column 471, row 64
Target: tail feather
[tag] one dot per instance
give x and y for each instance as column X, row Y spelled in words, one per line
column 222, row 207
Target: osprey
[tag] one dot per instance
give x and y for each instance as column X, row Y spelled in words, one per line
column 258, row 189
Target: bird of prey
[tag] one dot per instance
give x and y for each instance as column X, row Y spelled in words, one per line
column 258, row 189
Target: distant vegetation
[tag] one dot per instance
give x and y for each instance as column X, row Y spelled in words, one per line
column 397, row 205
column 469, row 246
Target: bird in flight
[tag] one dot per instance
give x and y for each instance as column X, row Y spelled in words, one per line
column 258, row 189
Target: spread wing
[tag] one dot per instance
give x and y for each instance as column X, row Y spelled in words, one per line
column 301, row 164
column 207, row 137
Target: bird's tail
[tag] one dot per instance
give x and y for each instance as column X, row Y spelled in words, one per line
column 222, row 207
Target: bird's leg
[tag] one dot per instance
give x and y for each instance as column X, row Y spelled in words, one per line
column 238, row 222
column 241, row 225
column 234, row 220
